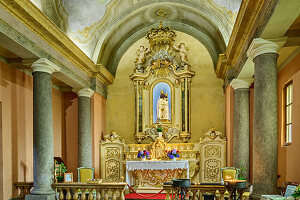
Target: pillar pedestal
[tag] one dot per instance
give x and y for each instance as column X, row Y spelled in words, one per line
column 265, row 116
column 43, row 152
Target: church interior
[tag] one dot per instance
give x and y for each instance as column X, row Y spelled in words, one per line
column 150, row 99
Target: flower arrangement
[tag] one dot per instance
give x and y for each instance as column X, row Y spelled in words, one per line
column 173, row 154
column 296, row 193
column 143, row 154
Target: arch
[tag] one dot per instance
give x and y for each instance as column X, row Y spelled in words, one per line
column 122, row 33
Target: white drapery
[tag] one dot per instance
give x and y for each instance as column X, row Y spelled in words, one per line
column 154, row 165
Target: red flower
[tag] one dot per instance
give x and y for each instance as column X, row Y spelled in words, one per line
column 177, row 151
column 166, row 151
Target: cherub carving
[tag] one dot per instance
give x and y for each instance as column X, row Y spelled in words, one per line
column 141, row 57
column 183, row 53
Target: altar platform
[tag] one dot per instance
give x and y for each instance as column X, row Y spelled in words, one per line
column 133, row 196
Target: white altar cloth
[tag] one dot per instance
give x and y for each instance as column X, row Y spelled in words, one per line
column 154, row 165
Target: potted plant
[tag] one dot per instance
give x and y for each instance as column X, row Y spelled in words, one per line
column 173, row 154
column 143, row 155
column 296, row 193
column 159, row 131
column 241, row 172
column 241, row 176
column 60, row 173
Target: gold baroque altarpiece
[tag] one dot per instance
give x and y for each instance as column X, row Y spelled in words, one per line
column 206, row 158
column 162, row 63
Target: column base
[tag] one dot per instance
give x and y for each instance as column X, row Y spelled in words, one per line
column 40, row 197
column 255, row 196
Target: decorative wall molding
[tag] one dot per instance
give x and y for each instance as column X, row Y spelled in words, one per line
column 250, row 21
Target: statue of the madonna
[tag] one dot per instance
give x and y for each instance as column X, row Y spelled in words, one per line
column 163, row 107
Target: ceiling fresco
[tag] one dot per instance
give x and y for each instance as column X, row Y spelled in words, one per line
column 101, row 27
column 83, row 14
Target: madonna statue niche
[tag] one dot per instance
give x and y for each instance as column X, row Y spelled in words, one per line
column 162, row 78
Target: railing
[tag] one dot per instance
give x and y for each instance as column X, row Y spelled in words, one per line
column 196, row 191
column 23, row 188
column 90, row 191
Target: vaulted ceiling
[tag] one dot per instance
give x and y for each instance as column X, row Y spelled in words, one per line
column 105, row 29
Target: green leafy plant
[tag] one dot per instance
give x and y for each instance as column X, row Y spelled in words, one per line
column 159, row 129
column 63, row 168
column 241, row 172
column 296, row 193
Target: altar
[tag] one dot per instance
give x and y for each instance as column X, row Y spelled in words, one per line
column 152, row 174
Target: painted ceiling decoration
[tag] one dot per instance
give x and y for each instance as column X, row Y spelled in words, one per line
column 96, row 25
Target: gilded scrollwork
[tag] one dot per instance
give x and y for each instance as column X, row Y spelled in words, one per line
column 158, row 148
column 112, row 170
column 156, row 178
column 112, row 153
column 212, row 134
column 212, row 170
column 112, row 136
column 168, row 135
column 212, row 151
column 194, row 169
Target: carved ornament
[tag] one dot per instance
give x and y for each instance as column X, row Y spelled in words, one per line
column 112, row 137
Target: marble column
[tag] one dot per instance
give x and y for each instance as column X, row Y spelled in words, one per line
column 241, row 117
column 265, row 136
column 43, row 147
column 85, row 157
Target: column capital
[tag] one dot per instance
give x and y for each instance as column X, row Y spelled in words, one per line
column 44, row 65
column 241, row 83
column 260, row 46
column 85, row 92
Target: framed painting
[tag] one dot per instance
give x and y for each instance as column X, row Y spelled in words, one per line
column 68, row 177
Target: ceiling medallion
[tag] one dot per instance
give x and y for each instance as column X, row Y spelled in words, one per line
column 161, row 12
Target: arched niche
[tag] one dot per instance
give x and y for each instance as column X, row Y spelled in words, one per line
column 160, row 90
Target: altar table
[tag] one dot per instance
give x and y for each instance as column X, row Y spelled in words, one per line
column 154, row 165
